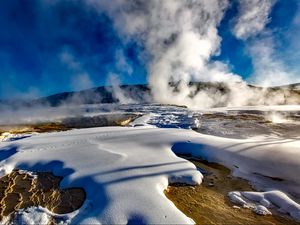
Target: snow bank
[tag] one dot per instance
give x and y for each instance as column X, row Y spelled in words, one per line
column 6, row 136
column 31, row 216
column 124, row 171
column 260, row 201
column 268, row 162
column 260, row 208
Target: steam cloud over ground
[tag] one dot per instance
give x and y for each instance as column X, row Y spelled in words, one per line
column 178, row 43
column 180, row 37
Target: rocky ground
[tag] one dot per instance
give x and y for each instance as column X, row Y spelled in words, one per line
column 20, row 190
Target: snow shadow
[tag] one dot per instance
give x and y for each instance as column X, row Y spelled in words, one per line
column 56, row 167
column 206, row 151
column 257, row 144
column 134, row 173
column 20, row 137
column 136, row 219
column 7, row 152
column 95, row 191
column 123, row 169
column 191, row 149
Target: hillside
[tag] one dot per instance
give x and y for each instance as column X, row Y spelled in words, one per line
column 142, row 93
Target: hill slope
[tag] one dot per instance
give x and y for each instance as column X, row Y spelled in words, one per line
column 142, row 93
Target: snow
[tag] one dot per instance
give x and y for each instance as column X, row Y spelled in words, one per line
column 239, row 199
column 6, row 136
column 143, row 120
column 126, row 170
column 268, row 162
column 236, row 197
column 261, row 201
column 31, row 216
column 262, row 210
column 263, row 159
column 123, row 170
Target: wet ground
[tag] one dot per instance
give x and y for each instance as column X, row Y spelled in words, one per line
column 208, row 203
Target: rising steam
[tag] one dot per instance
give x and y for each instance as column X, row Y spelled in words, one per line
column 181, row 36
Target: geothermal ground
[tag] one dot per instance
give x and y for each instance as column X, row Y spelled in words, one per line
column 152, row 164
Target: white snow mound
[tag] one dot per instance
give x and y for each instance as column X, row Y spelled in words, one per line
column 124, row 172
column 261, row 201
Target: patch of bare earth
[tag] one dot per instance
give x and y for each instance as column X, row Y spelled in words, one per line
column 19, row 190
column 29, row 128
column 70, row 123
column 208, row 203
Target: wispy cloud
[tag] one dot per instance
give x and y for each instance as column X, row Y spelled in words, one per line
column 253, row 17
column 80, row 79
column 261, row 44
column 269, row 69
column 69, row 60
column 122, row 64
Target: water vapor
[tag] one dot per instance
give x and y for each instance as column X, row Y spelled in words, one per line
column 253, row 17
column 114, row 87
column 180, row 38
column 251, row 27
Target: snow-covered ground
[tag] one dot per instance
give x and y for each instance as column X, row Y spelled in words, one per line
column 125, row 170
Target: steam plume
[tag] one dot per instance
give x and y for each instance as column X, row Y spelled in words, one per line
column 180, row 37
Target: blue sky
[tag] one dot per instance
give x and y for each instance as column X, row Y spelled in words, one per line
column 50, row 48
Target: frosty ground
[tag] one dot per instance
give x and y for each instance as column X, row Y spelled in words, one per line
column 125, row 170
